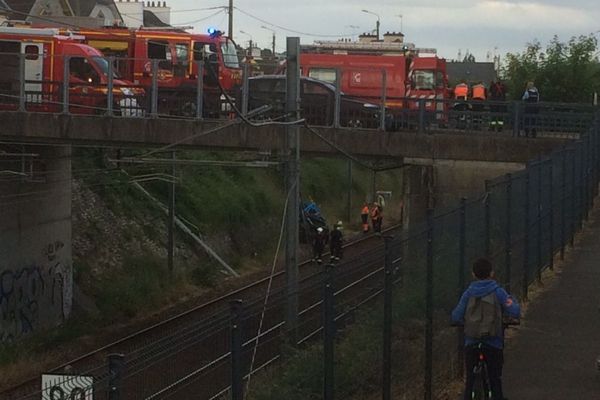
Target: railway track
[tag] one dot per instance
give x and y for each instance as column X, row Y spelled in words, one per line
column 188, row 355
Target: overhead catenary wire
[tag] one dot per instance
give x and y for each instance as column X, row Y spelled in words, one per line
column 288, row 29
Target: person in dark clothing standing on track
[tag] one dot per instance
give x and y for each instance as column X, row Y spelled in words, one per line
column 376, row 217
column 319, row 242
column 336, row 240
column 531, row 97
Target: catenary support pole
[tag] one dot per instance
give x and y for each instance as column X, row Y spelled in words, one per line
column 116, row 370
column 292, row 172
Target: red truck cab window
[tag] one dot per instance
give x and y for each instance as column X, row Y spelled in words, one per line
column 80, row 68
column 31, row 52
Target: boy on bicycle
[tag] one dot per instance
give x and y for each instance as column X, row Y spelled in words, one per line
column 480, row 309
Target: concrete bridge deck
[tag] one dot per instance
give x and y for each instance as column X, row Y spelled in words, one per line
column 125, row 132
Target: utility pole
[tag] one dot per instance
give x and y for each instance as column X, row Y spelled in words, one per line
column 230, row 20
column 273, row 45
column 292, row 154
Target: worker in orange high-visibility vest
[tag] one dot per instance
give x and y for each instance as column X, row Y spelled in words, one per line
column 479, row 91
column 364, row 216
column 461, row 91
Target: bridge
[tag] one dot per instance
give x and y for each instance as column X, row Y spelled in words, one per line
column 537, row 193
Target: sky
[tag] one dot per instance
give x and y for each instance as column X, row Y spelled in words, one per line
column 482, row 27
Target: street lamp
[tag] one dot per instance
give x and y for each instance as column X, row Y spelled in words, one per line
column 273, row 43
column 377, row 25
column 250, row 42
column 400, row 16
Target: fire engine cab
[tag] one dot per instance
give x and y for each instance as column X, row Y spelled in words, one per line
column 36, row 58
column 405, row 73
column 177, row 53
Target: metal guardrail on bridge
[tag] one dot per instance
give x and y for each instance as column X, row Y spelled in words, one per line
column 92, row 86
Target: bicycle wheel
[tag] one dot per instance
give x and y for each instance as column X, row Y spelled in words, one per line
column 481, row 388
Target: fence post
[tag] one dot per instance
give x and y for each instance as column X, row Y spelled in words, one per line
column 387, row 319
column 551, row 212
column 462, row 271
column 22, row 93
column 200, row 90
column 109, row 86
column 581, row 188
column 383, row 99
column 508, row 233
column 563, row 204
column 588, row 173
column 539, row 221
column 516, row 116
column 116, row 369
column 65, row 88
column 349, row 205
column 421, row 115
column 338, row 98
column 245, row 88
column 329, row 334
column 525, row 282
column 429, row 308
column 487, row 222
column 154, row 90
column 237, row 375
column 573, row 198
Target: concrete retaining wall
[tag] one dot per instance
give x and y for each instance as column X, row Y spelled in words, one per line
column 36, row 273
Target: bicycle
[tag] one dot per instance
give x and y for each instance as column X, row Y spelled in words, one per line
column 481, row 389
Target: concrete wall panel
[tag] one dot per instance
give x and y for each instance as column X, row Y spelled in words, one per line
column 36, row 274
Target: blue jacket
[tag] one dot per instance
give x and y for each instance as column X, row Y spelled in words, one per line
column 510, row 308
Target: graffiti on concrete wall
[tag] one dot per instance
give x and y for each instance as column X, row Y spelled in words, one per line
column 36, row 295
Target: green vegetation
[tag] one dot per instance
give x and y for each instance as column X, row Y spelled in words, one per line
column 564, row 71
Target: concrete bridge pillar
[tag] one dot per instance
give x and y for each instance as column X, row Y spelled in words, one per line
column 36, row 269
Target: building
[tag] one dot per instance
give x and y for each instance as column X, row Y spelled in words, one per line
column 84, row 13
column 144, row 13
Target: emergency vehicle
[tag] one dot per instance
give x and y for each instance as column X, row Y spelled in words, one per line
column 178, row 53
column 44, row 52
column 411, row 74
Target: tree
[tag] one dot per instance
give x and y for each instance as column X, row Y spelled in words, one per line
column 564, row 72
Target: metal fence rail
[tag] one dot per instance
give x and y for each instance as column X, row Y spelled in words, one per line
column 93, row 86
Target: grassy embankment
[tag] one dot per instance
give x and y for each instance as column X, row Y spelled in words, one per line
column 119, row 236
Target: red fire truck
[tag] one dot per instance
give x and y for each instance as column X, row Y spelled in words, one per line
column 177, row 53
column 44, row 52
column 410, row 74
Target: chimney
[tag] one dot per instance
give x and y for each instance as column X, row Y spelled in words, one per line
column 393, row 37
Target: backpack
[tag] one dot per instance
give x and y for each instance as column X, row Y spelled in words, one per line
column 483, row 317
